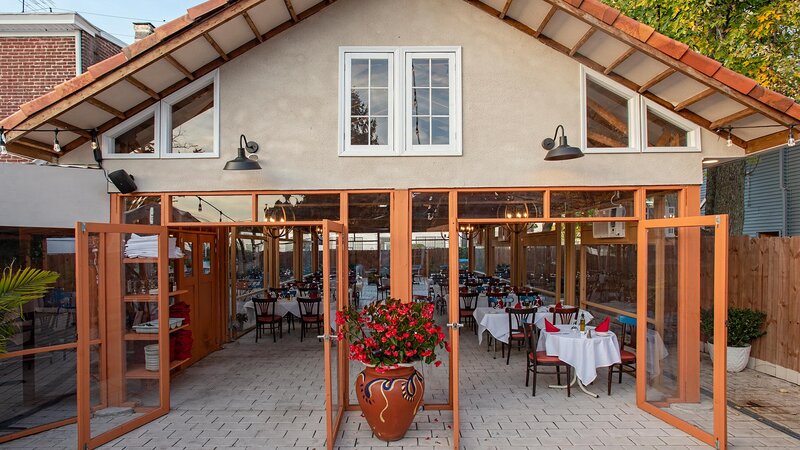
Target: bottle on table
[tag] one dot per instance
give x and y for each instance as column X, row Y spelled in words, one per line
column 582, row 323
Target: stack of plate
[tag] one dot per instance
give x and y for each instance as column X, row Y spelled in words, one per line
column 151, row 357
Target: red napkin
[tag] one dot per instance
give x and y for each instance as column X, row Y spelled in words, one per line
column 558, row 305
column 549, row 327
column 518, row 306
column 603, row 327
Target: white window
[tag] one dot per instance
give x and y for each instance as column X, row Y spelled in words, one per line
column 667, row 132
column 400, row 101
column 609, row 115
column 182, row 125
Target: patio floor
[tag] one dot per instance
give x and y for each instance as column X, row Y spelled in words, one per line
column 269, row 396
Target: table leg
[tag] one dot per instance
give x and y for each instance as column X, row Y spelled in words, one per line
column 574, row 381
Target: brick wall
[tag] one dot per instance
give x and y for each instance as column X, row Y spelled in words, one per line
column 95, row 49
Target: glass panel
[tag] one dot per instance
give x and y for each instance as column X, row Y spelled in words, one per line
column 427, row 103
column 370, row 102
column 206, row 258
column 212, row 208
column 358, row 102
column 663, row 133
column 379, row 102
column 299, row 207
column 611, row 274
column 188, row 267
column 662, row 204
column 420, row 131
column 139, row 139
column 369, row 250
column 359, row 131
column 360, row 72
column 379, row 131
column 193, row 123
column 500, row 204
column 333, row 275
column 440, row 102
column 606, row 117
column 678, row 375
column 379, row 73
column 420, row 72
column 421, row 102
column 142, row 210
column 440, row 72
column 440, row 130
column 591, row 204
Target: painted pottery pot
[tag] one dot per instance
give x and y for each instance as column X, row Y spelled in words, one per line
column 390, row 400
column 737, row 357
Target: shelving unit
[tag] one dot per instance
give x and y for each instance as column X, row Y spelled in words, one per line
column 140, row 298
column 138, row 372
column 134, row 336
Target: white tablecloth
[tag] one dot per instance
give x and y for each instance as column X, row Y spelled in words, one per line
column 580, row 352
column 283, row 307
column 495, row 320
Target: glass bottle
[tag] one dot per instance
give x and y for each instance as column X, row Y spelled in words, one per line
column 582, row 324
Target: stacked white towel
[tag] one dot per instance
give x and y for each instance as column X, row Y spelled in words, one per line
column 147, row 247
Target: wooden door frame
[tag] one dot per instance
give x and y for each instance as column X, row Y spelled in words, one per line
column 333, row 419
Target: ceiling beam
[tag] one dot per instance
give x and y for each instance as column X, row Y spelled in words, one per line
column 71, row 128
column 586, row 36
column 170, row 59
column 545, row 21
column 142, row 87
column 216, row 46
column 105, row 107
column 505, row 9
column 621, row 59
column 655, row 80
column 252, row 26
column 290, row 8
column 695, row 98
column 729, row 119
column 770, row 141
column 19, row 148
column 41, row 146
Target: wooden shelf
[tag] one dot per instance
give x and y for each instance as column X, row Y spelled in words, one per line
column 138, row 372
column 144, row 260
column 134, row 336
column 152, row 297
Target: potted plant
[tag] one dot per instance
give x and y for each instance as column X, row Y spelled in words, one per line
column 17, row 289
column 388, row 338
column 744, row 326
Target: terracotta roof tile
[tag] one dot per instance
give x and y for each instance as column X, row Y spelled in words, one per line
column 771, row 98
column 735, row 80
column 794, row 111
column 667, row 45
column 39, row 103
column 701, row 62
column 600, row 10
column 633, row 28
column 204, row 8
column 107, row 65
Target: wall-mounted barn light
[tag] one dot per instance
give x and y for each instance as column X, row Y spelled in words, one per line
column 564, row 151
column 242, row 162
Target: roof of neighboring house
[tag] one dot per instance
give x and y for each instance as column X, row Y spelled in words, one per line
column 51, row 22
column 660, row 68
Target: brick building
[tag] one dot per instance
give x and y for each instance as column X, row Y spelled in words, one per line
column 41, row 50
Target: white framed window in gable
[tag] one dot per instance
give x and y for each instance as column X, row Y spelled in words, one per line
column 665, row 131
column 134, row 138
column 190, row 120
column 610, row 118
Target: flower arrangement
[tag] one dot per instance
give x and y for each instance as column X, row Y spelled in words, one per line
column 391, row 333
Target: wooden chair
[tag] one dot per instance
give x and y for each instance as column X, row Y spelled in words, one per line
column 565, row 315
column 626, row 339
column 266, row 317
column 492, row 297
column 467, row 303
column 536, row 359
column 309, row 315
column 517, row 317
column 441, row 305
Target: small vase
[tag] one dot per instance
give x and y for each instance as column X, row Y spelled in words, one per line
column 390, row 400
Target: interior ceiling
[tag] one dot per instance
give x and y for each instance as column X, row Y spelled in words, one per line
column 217, row 31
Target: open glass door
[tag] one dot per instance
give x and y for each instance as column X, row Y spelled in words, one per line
column 334, row 282
column 454, row 324
column 682, row 274
column 123, row 288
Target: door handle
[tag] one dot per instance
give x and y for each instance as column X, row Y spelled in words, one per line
column 455, row 325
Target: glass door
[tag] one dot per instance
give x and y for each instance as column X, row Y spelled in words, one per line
column 124, row 328
column 682, row 278
column 334, row 283
column 453, row 314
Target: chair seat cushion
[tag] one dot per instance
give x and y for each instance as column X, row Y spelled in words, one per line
column 312, row 319
column 627, row 356
column 268, row 319
column 465, row 312
column 517, row 335
column 543, row 358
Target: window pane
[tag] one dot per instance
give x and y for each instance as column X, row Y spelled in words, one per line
column 139, row 139
column 420, row 72
column 360, row 73
column 379, row 131
column 193, row 123
column 440, row 102
column 421, row 102
column 142, row 210
column 606, row 117
column 500, row 204
column 358, row 102
column 379, row 74
column 212, row 208
column 662, row 133
column 359, row 131
column 591, row 204
column 440, row 130
column 440, row 72
column 379, row 102
column 420, row 133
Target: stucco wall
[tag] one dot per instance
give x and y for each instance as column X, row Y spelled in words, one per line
column 284, row 95
column 47, row 196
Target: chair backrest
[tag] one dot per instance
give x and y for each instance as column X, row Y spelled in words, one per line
column 309, row 306
column 628, row 336
column 468, row 300
column 518, row 317
column 565, row 315
column 531, row 337
column 264, row 307
column 277, row 291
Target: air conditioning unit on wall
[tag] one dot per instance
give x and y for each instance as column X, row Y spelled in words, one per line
column 609, row 230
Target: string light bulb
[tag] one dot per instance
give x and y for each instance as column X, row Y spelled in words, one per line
column 200, row 205
column 56, row 145
column 95, row 144
column 791, row 140
column 3, row 149
column 729, row 142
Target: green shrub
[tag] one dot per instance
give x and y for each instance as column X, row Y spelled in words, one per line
column 744, row 325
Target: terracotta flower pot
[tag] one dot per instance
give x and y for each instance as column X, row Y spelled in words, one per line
column 390, row 400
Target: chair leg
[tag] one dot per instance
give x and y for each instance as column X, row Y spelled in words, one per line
column 258, row 327
column 302, row 330
column 620, row 373
column 558, row 375
column 272, row 330
column 610, row 376
column 569, row 383
column 510, row 346
column 527, row 371
column 535, row 372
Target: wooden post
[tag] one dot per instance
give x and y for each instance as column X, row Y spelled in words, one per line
column 400, row 242
column 569, row 262
column 583, row 274
column 471, row 252
column 559, row 262
column 490, row 263
column 297, row 253
column 315, row 251
column 689, row 240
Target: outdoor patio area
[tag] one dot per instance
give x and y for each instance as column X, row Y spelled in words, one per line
column 269, row 395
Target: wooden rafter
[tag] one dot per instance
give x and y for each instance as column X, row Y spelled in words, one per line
column 290, row 8
column 621, row 59
column 593, row 136
column 655, row 80
column 170, row 59
column 607, row 116
column 216, row 46
column 694, row 99
column 142, row 87
column 19, row 148
column 545, row 21
column 729, row 119
column 505, row 8
column 72, row 128
column 252, row 26
column 586, row 36
column 770, row 140
column 105, row 107
column 41, row 146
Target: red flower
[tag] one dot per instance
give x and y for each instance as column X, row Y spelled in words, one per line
column 447, row 346
column 437, row 363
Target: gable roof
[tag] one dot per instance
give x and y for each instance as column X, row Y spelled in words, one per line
column 216, row 31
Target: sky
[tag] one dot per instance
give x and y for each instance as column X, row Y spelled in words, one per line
column 98, row 12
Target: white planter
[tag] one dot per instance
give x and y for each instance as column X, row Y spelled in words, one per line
column 737, row 357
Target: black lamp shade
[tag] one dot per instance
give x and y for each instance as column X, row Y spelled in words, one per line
column 242, row 162
column 563, row 152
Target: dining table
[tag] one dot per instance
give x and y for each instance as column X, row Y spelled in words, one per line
column 495, row 320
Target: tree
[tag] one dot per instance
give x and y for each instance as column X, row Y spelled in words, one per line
column 17, row 289
column 757, row 38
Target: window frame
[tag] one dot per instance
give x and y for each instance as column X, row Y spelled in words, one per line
column 693, row 133
column 109, row 138
column 168, row 102
column 634, row 115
